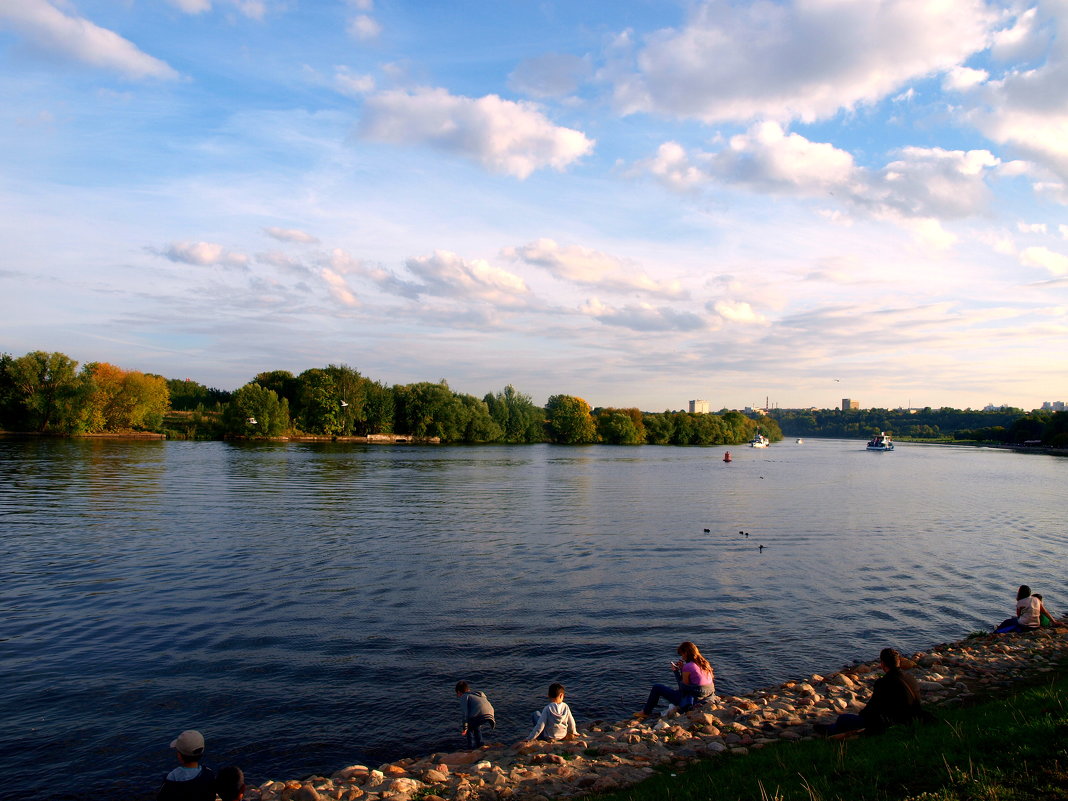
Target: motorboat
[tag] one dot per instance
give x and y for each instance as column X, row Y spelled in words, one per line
column 759, row 441
column 881, row 442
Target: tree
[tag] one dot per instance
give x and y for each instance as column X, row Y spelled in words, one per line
column 378, row 408
column 620, row 426
column 46, row 393
column 519, row 419
column 255, row 411
column 480, row 425
column 121, row 400
column 427, row 410
column 569, row 420
column 188, row 395
column 350, row 388
column 320, row 410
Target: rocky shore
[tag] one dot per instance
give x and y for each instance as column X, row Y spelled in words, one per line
column 610, row 755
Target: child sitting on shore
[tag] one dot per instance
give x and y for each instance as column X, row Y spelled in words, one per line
column 555, row 721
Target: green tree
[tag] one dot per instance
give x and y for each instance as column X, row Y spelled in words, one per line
column 320, row 410
column 122, row 400
column 46, row 392
column 480, row 426
column 378, row 408
column 255, row 411
column 284, row 384
column 427, row 409
column 620, row 426
column 187, row 395
column 519, row 419
column 569, row 420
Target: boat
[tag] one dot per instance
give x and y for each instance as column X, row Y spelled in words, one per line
column 727, row 457
column 759, row 441
column 882, row 442
column 800, row 441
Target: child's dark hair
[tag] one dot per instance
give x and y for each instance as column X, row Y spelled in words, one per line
column 556, row 689
column 462, row 686
column 230, row 783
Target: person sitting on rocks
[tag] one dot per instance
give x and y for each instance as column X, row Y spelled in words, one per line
column 1045, row 617
column 192, row 781
column 555, row 721
column 895, row 698
column 1028, row 613
column 476, row 711
column 694, row 677
column 230, row 783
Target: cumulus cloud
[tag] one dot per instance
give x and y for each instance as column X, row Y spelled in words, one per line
column 1028, row 108
column 643, row 317
column 283, row 261
column 961, row 79
column 593, row 268
column 354, row 85
column 549, row 75
column 192, row 6
column 1056, row 263
column 921, row 183
column 806, row 59
column 504, row 136
column 738, row 312
column 290, row 235
column 204, row 254
column 447, row 274
column 78, row 39
column 1031, row 228
column 338, row 287
column 364, row 27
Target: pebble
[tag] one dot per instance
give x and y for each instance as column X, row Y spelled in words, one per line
column 613, row 755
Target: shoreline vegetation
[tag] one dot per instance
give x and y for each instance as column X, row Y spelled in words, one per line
column 973, row 686
column 46, row 393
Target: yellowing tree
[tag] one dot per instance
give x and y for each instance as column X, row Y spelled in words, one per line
column 121, row 400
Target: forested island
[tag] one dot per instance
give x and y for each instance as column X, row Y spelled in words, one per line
column 47, row 393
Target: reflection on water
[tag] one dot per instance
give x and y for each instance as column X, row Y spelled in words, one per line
column 311, row 606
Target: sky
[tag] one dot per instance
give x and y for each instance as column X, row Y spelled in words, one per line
column 638, row 202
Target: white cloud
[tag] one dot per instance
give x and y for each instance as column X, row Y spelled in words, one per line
column 961, row 79
column 593, row 268
column 738, row 312
column 349, row 83
column 1063, row 230
column 920, row 183
column 502, row 135
column 806, row 59
column 79, row 39
column 447, row 274
column 364, row 27
column 192, row 6
column 1020, row 41
column 1028, row 108
column 338, row 287
column 549, row 75
column 204, row 254
column 1031, row 228
column 1055, row 263
column 290, row 235
column 643, row 317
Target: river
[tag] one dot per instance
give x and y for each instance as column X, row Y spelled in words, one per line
column 310, row 606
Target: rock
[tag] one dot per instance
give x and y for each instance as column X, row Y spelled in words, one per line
column 433, row 776
column 350, row 773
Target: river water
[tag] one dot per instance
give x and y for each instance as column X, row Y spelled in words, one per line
column 310, row 606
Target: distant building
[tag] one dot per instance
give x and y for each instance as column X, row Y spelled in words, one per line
column 760, row 412
column 849, row 405
column 699, row 407
column 1053, row 406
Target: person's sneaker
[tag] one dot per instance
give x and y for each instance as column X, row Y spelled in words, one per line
column 672, row 708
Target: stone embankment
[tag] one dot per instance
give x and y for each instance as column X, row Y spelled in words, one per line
column 611, row 755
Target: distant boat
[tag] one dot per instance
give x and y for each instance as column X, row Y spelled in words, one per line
column 759, row 441
column 800, row 441
column 882, row 442
column 727, row 456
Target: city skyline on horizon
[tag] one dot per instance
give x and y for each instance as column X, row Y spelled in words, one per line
column 819, row 198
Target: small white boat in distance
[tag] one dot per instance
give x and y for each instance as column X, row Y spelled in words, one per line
column 882, row 442
column 759, row 441
column 800, row 441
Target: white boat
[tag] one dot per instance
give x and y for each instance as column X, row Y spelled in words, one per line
column 800, row 441
column 759, row 441
column 882, row 442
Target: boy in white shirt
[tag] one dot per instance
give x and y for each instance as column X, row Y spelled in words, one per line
column 555, row 721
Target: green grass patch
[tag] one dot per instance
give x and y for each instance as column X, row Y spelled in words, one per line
column 1010, row 749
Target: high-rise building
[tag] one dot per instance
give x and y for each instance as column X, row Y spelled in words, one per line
column 849, row 405
column 699, row 407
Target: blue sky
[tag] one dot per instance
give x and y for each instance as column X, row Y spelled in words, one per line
column 635, row 202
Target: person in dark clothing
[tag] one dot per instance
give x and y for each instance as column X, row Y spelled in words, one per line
column 895, row 698
column 476, row 711
column 230, row 784
column 192, row 781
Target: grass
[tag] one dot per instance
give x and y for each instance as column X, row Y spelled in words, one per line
column 1005, row 749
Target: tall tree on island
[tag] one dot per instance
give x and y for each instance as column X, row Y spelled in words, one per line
column 569, row 421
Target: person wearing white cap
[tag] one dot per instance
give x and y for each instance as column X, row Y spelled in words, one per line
column 192, row 781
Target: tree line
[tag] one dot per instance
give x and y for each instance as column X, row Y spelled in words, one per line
column 1006, row 425
column 47, row 393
